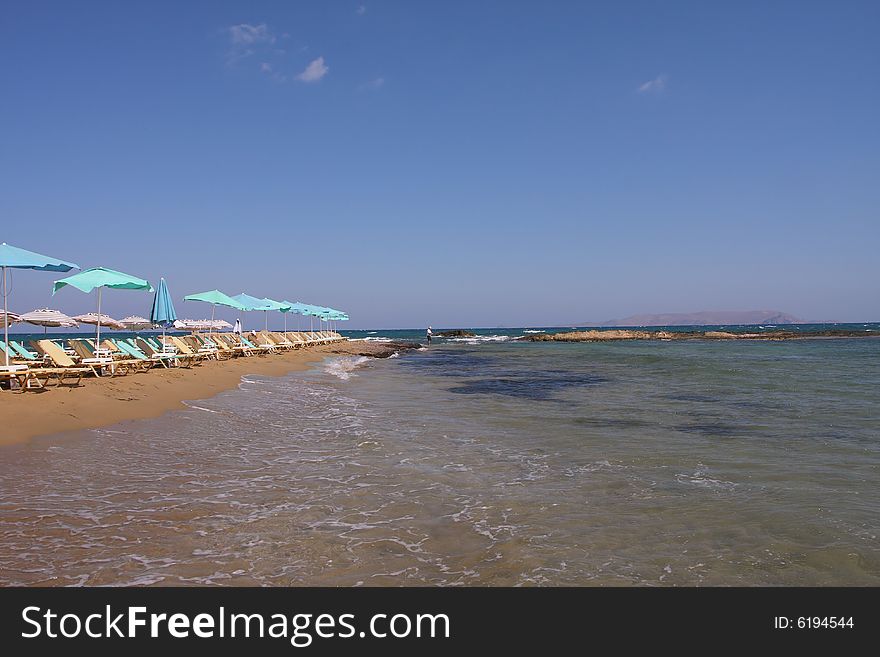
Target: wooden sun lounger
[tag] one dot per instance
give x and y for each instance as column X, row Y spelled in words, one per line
column 263, row 343
column 297, row 339
column 65, row 367
column 277, row 340
column 125, row 359
column 162, row 356
column 60, row 374
column 24, row 378
column 224, row 348
column 231, row 340
column 186, row 355
column 87, row 358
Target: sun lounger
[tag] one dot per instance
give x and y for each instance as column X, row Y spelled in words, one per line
column 158, row 354
column 65, row 367
column 122, row 357
column 220, row 350
column 285, row 341
column 22, row 375
column 262, row 348
column 270, row 337
column 200, row 347
column 4, row 350
column 295, row 339
column 188, row 356
column 300, row 337
column 22, row 352
column 231, row 340
column 85, row 351
column 134, row 352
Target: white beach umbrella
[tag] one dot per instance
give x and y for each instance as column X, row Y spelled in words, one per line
column 47, row 317
column 193, row 324
column 8, row 318
column 135, row 323
column 99, row 318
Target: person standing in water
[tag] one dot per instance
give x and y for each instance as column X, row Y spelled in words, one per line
column 429, row 334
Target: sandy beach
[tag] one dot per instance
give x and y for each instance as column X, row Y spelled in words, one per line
column 108, row 400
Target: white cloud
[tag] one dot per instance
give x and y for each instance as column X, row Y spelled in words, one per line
column 265, row 67
column 370, row 85
column 656, row 85
column 314, row 71
column 361, row 10
column 246, row 34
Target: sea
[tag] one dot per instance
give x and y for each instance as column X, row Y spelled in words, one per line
column 478, row 461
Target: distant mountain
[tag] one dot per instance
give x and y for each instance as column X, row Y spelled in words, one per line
column 707, row 317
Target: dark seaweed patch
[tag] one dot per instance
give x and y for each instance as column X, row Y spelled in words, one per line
column 712, row 429
column 610, row 422
column 538, row 386
column 692, row 396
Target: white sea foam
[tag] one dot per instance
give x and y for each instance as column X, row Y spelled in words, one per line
column 534, row 331
column 199, row 408
column 478, row 339
column 344, row 366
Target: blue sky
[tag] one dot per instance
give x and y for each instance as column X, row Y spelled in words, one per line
column 453, row 164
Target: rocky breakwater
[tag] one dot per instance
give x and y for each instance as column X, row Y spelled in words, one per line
column 625, row 334
column 372, row 349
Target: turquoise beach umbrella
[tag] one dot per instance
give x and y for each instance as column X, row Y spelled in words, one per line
column 249, row 303
column 215, row 298
column 99, row 278
column 280, row 307
column 298, row 308
column 12, row 257
column 252, row 303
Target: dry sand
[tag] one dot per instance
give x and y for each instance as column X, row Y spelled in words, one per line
column 108, row 400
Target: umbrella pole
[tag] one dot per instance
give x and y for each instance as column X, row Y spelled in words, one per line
column 6, row 322
column 98, row 332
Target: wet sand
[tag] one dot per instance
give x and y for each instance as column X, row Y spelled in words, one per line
column 108, row 400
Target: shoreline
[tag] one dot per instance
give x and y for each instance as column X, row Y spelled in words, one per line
column 106, row 401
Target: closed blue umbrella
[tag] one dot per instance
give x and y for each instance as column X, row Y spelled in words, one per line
column 12, row 257
column 163, row 312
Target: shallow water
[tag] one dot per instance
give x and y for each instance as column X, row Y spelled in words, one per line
column 484, row 462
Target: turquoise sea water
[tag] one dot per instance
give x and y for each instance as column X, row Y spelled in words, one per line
column 480, row 461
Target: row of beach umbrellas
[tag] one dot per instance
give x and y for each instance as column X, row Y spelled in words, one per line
column 162, row 313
